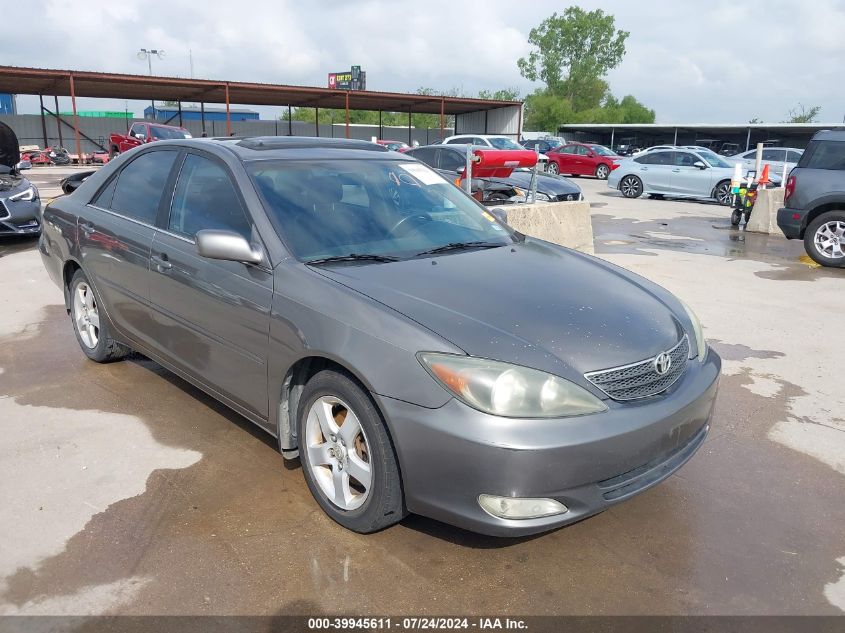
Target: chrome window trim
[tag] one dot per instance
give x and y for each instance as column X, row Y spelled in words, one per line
column 125, row 217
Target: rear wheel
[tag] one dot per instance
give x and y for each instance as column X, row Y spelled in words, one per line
column 346, row 454
column 824, row 239
column 89, row 324
column 736, row 217
column 631, row 187
column 553, row 168
column 602, row 172
column 722, row 193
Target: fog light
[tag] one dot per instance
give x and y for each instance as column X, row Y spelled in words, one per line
column 516, row 508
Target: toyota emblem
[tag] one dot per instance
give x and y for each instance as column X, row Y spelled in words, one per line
column 662, row 363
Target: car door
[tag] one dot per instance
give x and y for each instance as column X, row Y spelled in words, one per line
column 686, row 178
column 212, row 317
column 566, row 159
column 655, row 170
column 135, row 137
column 116, row 236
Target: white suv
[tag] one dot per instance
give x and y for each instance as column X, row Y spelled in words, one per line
column 493, row 141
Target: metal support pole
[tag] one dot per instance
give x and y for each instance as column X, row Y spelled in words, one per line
column 758, row 161
column 442, row 118
column 612, row 137
column 58, row 127
column 75, row 122
column 518, row 124
column 317, row 120
column 380, row 130
column 179, row 106
column 228, row 113
column 486, row 113
column 347, row 114
column 468, row 171
column 748, row 140
column 676, row 137
column 202, row 115
column 290, row 122
column 409, row 127
column 43, row 119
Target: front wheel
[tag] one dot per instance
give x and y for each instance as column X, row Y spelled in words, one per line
column 722, row 193
column 346, row 454
column 553, row 168
column 631, row 187
column 824, row 239
column 602, row 172
column 736, row 217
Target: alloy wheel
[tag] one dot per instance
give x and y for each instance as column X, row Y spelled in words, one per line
column 723, row 194
column 830, row 239
column 338, row 453
column 553, row 168
column 602, row 172
column 630, row 187
column 85, row 315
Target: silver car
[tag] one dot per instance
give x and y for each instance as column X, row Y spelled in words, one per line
column 417, row 354
column 675, row 173
column 775, row 157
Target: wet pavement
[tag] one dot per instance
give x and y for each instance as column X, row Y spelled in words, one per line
column 126, row 490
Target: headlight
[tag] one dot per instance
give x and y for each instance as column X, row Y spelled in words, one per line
column 544, row 197
column 698, row 334
column 30, row 193
column 509, row 390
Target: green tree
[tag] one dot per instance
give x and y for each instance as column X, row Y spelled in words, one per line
column 802, row 114
column 572, row 50
column 505, row 94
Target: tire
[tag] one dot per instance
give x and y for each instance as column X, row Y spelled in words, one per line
column 356, row 506
column 553, row 168
column 89, row 325
column 656, row 196
column 824, row 239
column 631, row 187
column 602, row 172
column 113, row 151
column 736, row 217
column 722, row 193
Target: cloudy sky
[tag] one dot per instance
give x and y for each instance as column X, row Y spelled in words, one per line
column 690, row 61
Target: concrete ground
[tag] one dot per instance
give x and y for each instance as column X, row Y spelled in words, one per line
column 125, row 490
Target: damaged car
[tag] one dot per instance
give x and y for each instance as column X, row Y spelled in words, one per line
column 20, row 204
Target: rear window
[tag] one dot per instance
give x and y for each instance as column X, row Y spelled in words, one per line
column 824, row 155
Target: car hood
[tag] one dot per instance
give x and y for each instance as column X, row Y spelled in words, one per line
column 548, row 184
column 9, row 149
column 10, row 184
column 532, row 303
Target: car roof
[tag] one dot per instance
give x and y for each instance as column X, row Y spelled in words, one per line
column 829, row 135
column 289, row 147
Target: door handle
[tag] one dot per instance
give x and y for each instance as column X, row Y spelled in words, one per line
column 643, row 168
column 162, row 264
column 86, row 227
column 676, row 171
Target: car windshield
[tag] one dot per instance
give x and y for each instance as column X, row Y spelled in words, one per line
column 601, row 150
column 504, row 143
column 165, row 133
column 713, row 159
column 332, row 208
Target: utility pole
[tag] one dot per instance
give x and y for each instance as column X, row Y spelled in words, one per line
column 147, row 54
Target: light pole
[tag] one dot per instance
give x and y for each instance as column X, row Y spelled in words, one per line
column 148, row 55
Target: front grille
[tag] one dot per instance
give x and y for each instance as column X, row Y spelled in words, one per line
column 568, row 197
column 641, row 379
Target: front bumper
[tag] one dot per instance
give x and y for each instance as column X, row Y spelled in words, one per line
column 791, row 226
column 448, row 456
column 21, row 217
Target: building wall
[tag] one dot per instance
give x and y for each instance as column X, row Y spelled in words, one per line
column 7, row 104
column 505, row 121
column 28, row 129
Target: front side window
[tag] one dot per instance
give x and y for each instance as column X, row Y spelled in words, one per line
column 714, row 160
column 601, row 150
column 459, row 140
column 503, row 143
column 205, row 198
column 773, row 154
column 424, row 154
column 137, row 128
column 685, row 159
column 139, row 186
column 391, row 208
column 452, row 161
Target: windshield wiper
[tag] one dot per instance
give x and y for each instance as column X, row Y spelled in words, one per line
column 353, row 257
column 455, row 246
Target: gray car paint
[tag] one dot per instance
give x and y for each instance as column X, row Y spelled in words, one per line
column 565, row 313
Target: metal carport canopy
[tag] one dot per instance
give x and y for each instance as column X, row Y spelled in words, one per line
column 35, row 81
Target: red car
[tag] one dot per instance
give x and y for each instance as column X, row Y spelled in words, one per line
column 141, row 133
column 582, row 159
column 36, row 157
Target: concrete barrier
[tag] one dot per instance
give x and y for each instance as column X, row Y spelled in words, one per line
column 564, row 223
column 764, row 215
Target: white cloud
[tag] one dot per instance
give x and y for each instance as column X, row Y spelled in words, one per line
column 718, row 61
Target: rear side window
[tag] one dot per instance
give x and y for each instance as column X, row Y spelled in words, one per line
column 451, row 160
column 140, row 185
column 424, row 154
column 824, row 155
column 793, row 156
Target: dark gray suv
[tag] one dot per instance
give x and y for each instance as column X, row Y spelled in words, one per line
column 814, row 200
column 415, row 352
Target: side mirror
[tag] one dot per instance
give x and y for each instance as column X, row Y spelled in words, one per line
column 140, row 136
column 699, row 164
column 24, row 164
column 500, row 214
column 227, row 246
